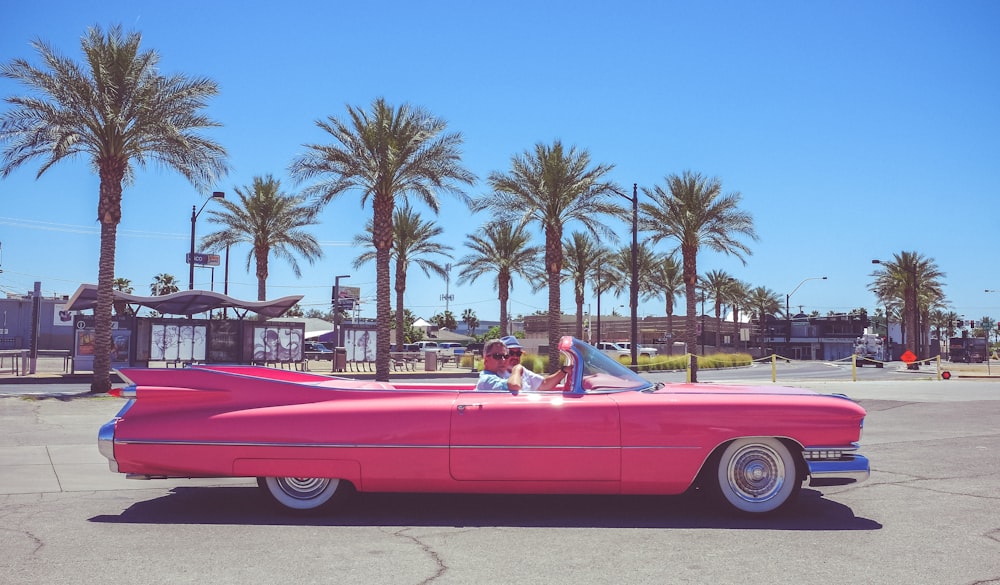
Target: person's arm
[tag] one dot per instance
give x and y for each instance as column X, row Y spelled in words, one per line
column 514, row 382
column 552, row 380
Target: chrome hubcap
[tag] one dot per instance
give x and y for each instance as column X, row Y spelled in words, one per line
column 756, row 473
column 303, row 488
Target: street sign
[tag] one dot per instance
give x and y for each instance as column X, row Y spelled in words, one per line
column 908, row 357
column 203, row 259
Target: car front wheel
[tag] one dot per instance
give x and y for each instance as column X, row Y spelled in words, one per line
column 304, row 493
column 757, row 475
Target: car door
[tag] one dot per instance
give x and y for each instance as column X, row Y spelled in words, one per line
column 544, row 436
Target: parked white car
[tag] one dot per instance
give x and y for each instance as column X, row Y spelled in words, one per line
column 649, row 352
column 423, row 346
column 613, row 349
column 450, row 348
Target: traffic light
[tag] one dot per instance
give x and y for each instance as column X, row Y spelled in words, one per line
column 972, row 324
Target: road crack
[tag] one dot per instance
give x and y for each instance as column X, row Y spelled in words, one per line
column 442, row 568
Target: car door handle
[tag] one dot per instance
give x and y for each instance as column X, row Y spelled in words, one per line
column 462, row 407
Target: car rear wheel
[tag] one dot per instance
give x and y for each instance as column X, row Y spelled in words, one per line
column 757, row 475
column 304, row 493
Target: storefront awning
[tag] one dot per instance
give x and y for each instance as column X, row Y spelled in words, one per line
column 188, row 302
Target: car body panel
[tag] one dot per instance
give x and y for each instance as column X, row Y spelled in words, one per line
column 610, row 432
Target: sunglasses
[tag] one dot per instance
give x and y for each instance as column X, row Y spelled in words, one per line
column 498, row 356
column 514, row 354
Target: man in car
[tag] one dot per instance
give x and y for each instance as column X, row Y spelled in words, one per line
column 530, row 381
column 497, row 375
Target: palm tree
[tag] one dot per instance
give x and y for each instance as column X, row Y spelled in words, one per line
column 620, row 264
column 693, row 211
column 471, row 321
column 951, row 319
column 385, row 153
column 600, row 281
column 163, row 284
column 413, row 241
column 913, row 280
column 716, row 285
column 763, row 303
column 120, row 112
column 122, row 285
column 502, row 248
column 580, row 253
column 666, row 278
column 445, row 320
column 552, row 186
column 931, row 299
column 271, row 221
column 739, row 294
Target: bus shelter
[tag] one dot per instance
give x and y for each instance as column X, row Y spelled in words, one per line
column 137, row 341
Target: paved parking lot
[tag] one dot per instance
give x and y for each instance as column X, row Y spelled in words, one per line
column 929, row 514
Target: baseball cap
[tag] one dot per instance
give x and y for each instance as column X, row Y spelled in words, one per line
column 511, row 341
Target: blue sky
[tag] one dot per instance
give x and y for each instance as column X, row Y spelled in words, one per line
column 853, row 130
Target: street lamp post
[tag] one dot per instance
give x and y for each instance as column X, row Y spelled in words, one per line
column 336, row 312
column 987, row 333
column 599, row 303
column 194, row 218
column 634, row 285
column 704, row 334
column 788, row 316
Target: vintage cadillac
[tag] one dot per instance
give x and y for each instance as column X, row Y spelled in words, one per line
column 311, row 440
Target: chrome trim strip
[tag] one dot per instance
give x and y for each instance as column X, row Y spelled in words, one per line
column 852, row 468
column 851, row 447
column 270, row 444
column 370, row 445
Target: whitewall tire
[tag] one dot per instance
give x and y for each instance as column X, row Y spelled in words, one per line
column 303, row 493
column 757, row 475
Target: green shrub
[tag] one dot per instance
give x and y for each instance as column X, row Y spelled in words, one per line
column 680, row 362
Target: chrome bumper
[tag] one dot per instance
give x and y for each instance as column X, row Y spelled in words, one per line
column 849, row 468
column 106, row 437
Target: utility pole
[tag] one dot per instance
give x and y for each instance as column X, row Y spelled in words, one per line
column 447, row 283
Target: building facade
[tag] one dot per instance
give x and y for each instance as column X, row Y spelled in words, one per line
column 828, row 337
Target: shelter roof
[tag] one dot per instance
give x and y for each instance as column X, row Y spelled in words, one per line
column 188, row 302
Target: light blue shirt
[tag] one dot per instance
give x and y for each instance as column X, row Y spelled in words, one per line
column 491, row 381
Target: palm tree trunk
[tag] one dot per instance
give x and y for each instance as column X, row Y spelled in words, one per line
column 101, row 381
column 109, row 213
column 670, row 325
column 503, row 282
column 261, row 275
column 553, row 266
column 718, row 328
column 400, row 316
column 579, row 314
column 383, row 308
column 382, row 208
column 736, row 328
column 690, row 272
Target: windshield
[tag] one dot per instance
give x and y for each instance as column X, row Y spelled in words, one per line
column 596, row 372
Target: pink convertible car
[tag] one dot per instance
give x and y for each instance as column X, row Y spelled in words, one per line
column 311, row 440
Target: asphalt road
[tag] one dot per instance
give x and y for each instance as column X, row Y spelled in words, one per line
column 930, row 514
